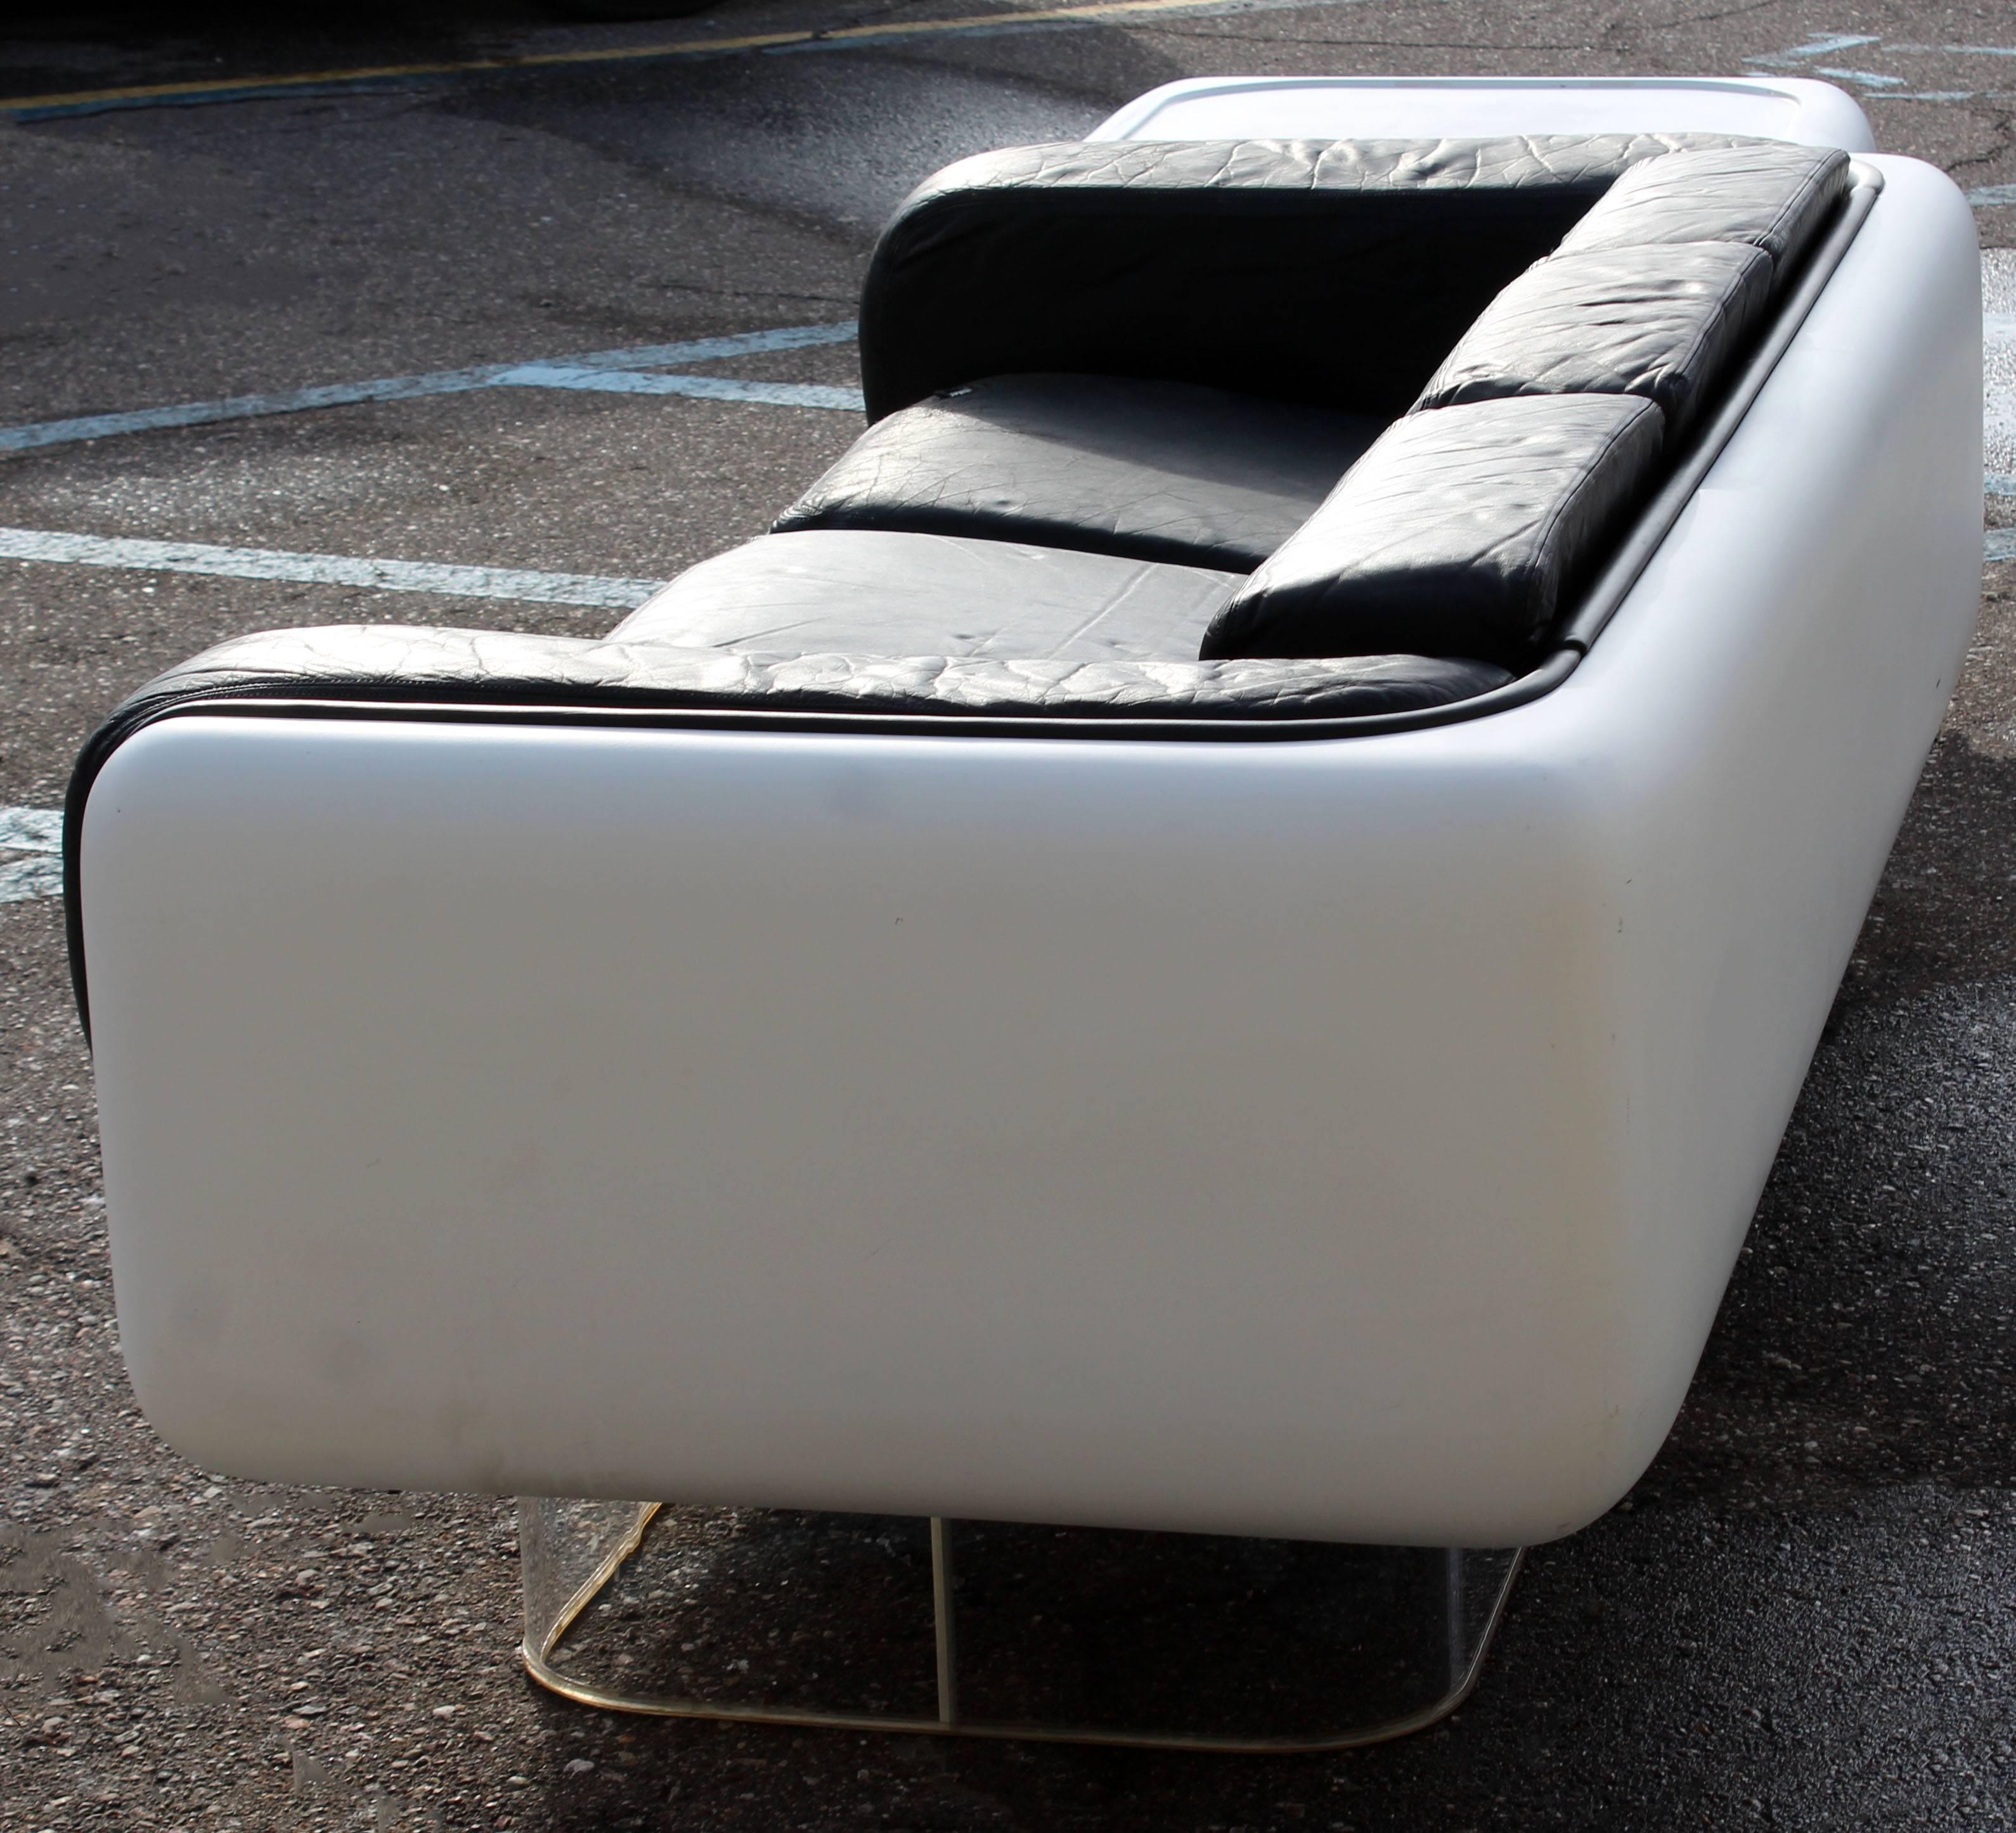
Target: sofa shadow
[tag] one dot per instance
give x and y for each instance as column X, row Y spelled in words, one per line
column 1859, row 1371
column 1868, row 1337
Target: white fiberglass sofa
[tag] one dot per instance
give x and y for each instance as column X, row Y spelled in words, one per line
column 1218, row 936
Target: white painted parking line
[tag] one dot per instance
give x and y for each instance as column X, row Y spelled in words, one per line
column 396, row 388
column 1998, row 406
column 384, row 575
column 30, row 830
column 706, row 388
column 36, row 876
column 38, row 833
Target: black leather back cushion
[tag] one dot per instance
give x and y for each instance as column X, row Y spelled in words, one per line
column 1333, row 273
column 1773, row 197
column 1465, row 531
column 1666, row 322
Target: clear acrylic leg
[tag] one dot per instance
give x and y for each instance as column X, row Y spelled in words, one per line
column 985, row 1628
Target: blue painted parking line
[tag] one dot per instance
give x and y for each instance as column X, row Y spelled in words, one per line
column 241, row 406
column 1886, row 86
column 396, row 388
column 711, row 350
column 1822, row 47
column 588, row 589
column 706, row 388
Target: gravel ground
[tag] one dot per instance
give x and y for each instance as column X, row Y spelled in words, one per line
column 1802, row 1617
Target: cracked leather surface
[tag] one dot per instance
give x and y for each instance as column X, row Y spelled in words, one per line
column 1774, row 197
column 1335, row 273
column 1505, row 162
column 1465, row 531
column 1152, row 470
column 881, row 593
column 1666, row 322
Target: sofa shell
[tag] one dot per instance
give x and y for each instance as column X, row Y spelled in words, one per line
column 1336, row 1136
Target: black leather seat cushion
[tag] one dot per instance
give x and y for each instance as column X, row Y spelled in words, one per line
column 1152, row 470
column 1774, row 197
column 875, row 593
column 1333, row 273
column 1666, row 322
column 1465, row 531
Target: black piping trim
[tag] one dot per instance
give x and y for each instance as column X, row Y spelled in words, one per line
column 285, row 699
column 274, row 700
column 1574, row 634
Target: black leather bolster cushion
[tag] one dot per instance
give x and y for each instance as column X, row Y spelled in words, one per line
column 1465, row 531
column 1774, row 197
column 1153, row 470
column 1333, row 273
column 1666, row 322
column 368, row 665
column 396, row 665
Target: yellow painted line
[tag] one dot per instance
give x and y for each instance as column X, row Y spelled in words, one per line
column 615, row 54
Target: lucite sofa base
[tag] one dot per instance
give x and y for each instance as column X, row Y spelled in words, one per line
column 900, row 1625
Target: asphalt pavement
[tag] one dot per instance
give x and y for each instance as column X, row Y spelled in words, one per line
column 498, row 343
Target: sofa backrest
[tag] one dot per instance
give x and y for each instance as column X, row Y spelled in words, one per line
column 1335, row 273
column 1472, row 525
